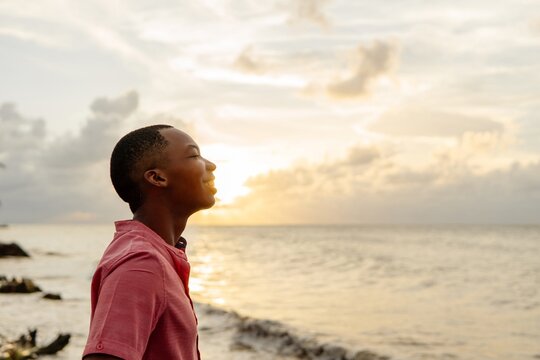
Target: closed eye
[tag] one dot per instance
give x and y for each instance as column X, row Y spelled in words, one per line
column 194, row 151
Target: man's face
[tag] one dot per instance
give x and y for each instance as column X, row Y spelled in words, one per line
column 190, row 176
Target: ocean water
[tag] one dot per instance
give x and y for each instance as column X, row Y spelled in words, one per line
column 407, row 292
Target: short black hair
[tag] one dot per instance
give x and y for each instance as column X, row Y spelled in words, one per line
column 127, row 154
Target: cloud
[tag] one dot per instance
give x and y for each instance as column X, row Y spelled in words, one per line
column 97, row 137
column 370, row 185
column 534, row 26
column 65, row 178
column 122, row 106
column 371, row 63
column 361, row 155
column 482, row 141
column 248, row 62
column 20, row 136
column 308, row 11
column 37, row 38
column 425, row 121
column 22, row 184
column 472, row 150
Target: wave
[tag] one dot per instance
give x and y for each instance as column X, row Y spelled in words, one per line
column 271, row 336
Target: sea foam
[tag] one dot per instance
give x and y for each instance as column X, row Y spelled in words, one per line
column 268, row 336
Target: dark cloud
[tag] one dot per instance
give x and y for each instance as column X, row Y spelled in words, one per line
column 402, row 177
column 65, row 178
column 425, row 121
column 97, row 137
column 120, row 107
column 18, row 134
column 371, row 63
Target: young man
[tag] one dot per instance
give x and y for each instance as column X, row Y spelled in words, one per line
column 141, row 307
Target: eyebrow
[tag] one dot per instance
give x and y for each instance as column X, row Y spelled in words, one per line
column 195, row 147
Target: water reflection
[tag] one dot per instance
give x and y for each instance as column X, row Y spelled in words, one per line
column 206, row 284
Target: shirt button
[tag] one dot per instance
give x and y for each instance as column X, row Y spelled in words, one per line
column 99, row 346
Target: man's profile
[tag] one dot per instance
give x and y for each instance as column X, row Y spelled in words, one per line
column 140, row 301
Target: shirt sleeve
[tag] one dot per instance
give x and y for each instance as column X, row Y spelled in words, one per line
column 130, row 301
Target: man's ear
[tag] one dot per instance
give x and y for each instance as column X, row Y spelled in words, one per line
column 156, row 177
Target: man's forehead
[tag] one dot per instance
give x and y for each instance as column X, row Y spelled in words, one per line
column 178, row 138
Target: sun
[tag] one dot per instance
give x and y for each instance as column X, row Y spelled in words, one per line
column 230, row 183
column 233, row 169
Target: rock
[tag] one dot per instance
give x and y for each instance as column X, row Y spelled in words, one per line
column 12, row 249
column 25, row 347
column 237, row 346
column 368, row 355
column 15, row 285
column 332, row 352
column 55, row 346
column 52, row 296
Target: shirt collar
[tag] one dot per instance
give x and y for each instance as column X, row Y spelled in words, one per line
column 130, row 225
column 181, row 243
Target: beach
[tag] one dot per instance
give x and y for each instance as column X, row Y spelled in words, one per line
column 362, row 293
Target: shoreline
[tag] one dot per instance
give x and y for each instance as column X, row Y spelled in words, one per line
column 227, row 335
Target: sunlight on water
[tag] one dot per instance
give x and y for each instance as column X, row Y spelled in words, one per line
column 418, row 292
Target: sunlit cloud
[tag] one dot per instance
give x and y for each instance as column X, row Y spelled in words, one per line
column 534, row 26
column 370, row 186
column 248, row 62
column 227, row 75
column 371, row 63
column 38, row 38
column 415, row 120
column 308, row 11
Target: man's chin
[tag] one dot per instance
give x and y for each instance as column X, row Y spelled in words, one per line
column 210, row 203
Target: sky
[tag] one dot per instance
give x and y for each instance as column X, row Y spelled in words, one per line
column 314, row 111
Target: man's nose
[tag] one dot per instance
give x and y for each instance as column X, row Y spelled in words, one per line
column 210, row 165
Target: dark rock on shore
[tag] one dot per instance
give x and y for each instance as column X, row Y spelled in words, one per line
column 55, row 346
column 15, row 285
column 52, row 296
column 12, row 249
column 25, row 347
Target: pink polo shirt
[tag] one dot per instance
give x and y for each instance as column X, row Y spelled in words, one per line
column 141, row 307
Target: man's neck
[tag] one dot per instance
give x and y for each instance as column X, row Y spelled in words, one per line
column 168, row 227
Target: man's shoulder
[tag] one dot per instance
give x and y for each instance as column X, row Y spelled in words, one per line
column 131, row 249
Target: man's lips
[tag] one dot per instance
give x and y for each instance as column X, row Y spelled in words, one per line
column 211, row 185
